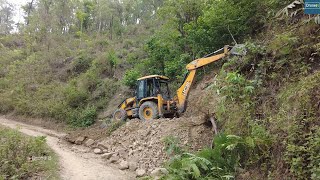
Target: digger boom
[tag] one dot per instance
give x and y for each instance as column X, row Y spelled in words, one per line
column 183, row 91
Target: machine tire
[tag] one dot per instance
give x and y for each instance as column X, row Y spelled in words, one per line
column 120, row 115
column 148, row 111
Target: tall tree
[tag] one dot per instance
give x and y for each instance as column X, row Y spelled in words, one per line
column 6, row 15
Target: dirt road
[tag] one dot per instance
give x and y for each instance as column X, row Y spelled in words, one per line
column 75, row 162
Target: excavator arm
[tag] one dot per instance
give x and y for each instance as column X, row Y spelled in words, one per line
column 183, row 91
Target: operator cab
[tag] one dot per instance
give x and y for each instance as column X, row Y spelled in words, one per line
column 151, row 86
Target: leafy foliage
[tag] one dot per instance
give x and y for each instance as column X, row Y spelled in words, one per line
column 172, row 146
column 130, row 78
column 16, row 152
column 217, row 163
column 83, row 117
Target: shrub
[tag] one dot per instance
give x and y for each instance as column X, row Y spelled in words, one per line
column 217, row 163
column 172, row 145
column 298, row 116
column 16, row 151
column 130, row 78
column 104, row 92
column 234, row 105
column 283, row 44
column 83, row 117
column 81, row 64
column 113, row 59
column 75, row 97
column 236, row 87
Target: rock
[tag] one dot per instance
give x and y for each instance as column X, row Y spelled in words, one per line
column 89, row 142
column 79, row 140
column 114, row 159
column 122, row 153
column 107, row 155
column 159, row 172
column 73, row 148
column 131, row 152
column 133, row 166
column 149, row 170
column 123, row 165
column 140, row 172
column 103, row 145
column 245, row 175
column 97, row 151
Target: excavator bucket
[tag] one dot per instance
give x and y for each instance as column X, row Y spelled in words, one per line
column 239, row 50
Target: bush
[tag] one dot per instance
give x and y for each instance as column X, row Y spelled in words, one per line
column 130, row 78
column 105, row 90
column 217, row 163
column 298, row 116
column 75, row 97
column 234, row 103
column 16, row 152
column 81, row 64
column 172, row 145
column 236, row 87
column 83, row 117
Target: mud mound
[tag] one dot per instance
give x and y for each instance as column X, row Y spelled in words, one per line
column 202, row 97
column 142, row 142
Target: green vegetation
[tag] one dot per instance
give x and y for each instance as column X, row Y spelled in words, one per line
column 229, row 153
column 270, row 100
column 24, row 157
column 70, row 58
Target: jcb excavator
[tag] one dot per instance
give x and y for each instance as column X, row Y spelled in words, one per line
column 152, row 98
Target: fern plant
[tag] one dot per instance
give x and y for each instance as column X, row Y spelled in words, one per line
column 217, row 163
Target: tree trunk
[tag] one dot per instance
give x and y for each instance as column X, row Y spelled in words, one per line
column 29, row 11
column 111, row 27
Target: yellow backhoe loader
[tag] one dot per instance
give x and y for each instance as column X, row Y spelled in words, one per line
column 152, row 98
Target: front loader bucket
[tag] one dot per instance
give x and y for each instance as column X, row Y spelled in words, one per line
column 239, row 50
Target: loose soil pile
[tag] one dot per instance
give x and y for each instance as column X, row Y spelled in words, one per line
column 141, row 144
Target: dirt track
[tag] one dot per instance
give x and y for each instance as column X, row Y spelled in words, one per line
column 75, row 162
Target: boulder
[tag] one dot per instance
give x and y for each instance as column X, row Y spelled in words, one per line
column 97, row 151
column 89, row 142
column 103, row 145
column 79, row 140
column 114, row 159
column 123, row 165
column 159, row 172
column 140, row 172
column 122, row 153
column 107, row 155
column 133, row 166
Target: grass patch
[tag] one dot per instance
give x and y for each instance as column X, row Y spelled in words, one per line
column 23, row 157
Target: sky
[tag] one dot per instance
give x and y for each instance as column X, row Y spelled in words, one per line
column 18, row 12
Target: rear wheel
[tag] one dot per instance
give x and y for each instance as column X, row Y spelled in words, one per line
column 120, row 115
column 148, row 111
